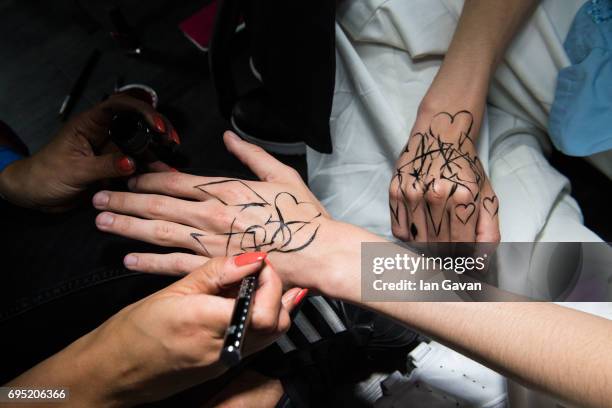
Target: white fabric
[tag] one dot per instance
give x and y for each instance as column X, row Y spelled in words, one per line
column 461, row 380
column 388, row 52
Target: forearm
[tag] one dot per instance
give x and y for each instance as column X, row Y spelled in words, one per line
column 484, row 31
column 549, row 347
column 555, row 349
column 76, row 368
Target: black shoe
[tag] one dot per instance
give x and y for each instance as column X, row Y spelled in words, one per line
column 255, row 114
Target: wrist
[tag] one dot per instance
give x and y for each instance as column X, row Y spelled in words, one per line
column 339, row 269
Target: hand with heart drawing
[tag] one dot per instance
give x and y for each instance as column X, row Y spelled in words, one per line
column 440, row 191
column 214, row 216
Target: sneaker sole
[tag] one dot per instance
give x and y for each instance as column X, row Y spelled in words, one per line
column 295, row 148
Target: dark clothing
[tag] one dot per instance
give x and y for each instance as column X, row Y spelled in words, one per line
column 293, row 45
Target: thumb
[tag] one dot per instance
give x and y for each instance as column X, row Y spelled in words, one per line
column 109, row 165
column 218, row 273
column 265, row 166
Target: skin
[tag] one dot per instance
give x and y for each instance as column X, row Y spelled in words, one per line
column 167, row 342
column 530, row 342
column 81, row 154
column 439, row 191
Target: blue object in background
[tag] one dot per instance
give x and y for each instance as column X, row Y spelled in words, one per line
column 580, row 121
column 7, row 156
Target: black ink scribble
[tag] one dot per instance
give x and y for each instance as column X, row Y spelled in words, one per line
column 279, row 231
column 250, row 197
column 455, row 164
column 196, row 236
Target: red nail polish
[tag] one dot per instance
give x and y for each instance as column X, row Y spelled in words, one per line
column 125, row 164
column 249, row 258
column 173, row 169
column 300, row 296
column 175, row 137
column 160, row 125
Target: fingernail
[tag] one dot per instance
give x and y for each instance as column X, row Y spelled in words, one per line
column 173, row 169
column 249, row 258
column 101, row 199
column 175, row 137
column 125, row 164
column 300, row 296
column 287, row 300
column 105, row 219
column 131, row 183
column 130, row 260
column 160, row 125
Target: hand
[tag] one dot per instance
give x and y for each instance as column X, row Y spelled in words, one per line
column 440, row 191
column 222, row 217
column 168, row 341
column 79, row 155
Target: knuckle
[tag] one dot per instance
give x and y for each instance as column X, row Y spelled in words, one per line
column 116, row 200
column 462, row 195
column 122, row 224
column 254, row 149
column 213, row 270
column 221, row 217
column 156, row 207
column 179, row 264
column 413, row 195
column 172, row 181
column 163, row 232
column 394, row 193
column 438, row 193
column 291, row 173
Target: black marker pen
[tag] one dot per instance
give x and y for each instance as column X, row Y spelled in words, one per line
column 231, row 353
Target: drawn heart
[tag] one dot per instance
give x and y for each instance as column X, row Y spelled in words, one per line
column 456, row 127
column 491, row 204
column 464, row 212
column 295, row 224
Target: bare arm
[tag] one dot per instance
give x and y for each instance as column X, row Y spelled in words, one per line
column 483, row 34
column 448, row 196
column 561, row 351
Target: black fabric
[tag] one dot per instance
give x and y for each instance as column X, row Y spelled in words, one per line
column 293, row 48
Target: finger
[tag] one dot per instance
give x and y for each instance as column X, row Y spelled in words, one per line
column 463, row 214
column 162, row 233
column 266, row 167
column 175, row 184
column 289, row 299
column 267, row 301
column 209, row 278
column 436, row 210
column 487, row 227
column 151, row 206
column 107, row 166
column 160, row 167
column 400, row 223
column 177, row 264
